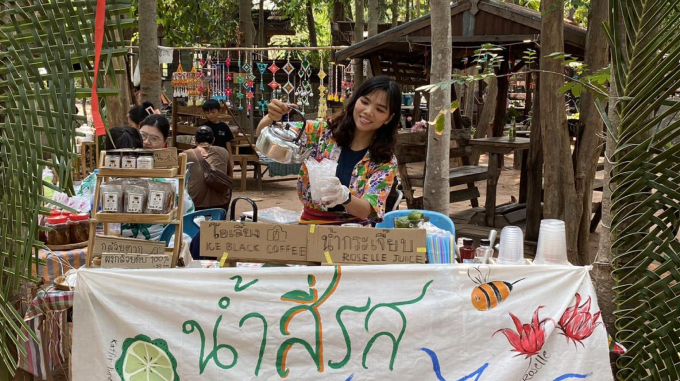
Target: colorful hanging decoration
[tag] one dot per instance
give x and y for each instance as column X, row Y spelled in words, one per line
column 228, row 90
column 343, row 83
column 350, row 74
column 249, row 84
column 330, row 81
column 262, row 67
column 323, row 108
column 273, row 84
column 288, row 68
column 179, row 82
column 304, row 89
column 239, row 80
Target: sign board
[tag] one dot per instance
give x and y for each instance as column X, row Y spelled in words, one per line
column 346, row 245
column 136, row 261
column 253, row 241
column 165, row 158
column 393, row 322
column 113, row 244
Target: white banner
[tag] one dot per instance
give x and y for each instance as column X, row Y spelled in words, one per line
column 394, row 322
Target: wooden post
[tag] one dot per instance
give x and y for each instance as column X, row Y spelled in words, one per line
column 501, row 99
column 529, row 94
column 495, row 162
column 416, row 106
column 535, row 172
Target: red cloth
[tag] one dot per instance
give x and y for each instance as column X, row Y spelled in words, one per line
column 311, row 216
column 99, row 23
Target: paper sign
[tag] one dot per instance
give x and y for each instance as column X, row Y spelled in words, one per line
column 136, row 261
column 165, row 158
column 253, row 241
column 347, row 245
column 111, row 244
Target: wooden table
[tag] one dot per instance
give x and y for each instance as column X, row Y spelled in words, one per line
column 242, row 161
column 496, row 148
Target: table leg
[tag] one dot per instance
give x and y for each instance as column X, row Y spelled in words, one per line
column 523, row 178
column 244, row 173
column 258, row 174
column 495, row 160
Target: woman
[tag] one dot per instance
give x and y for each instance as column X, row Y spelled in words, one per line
column 155, row 130
column 361, row 138
column 123, row 137
column 137, row 113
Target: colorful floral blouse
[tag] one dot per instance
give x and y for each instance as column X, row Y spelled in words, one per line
column 370, row 181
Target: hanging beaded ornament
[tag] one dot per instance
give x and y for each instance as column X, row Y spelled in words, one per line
column 330, row 81
column 323, row 108
column 288, row 87
column 228, row 90
column 239, row 80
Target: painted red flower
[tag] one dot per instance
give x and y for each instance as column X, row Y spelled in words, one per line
column 577, row 323
column 529, row 338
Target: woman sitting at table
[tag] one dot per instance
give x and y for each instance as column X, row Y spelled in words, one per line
column 155, row 130
column 361, row 138
column 137, row 114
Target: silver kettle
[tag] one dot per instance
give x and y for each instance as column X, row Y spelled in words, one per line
column 281, row 143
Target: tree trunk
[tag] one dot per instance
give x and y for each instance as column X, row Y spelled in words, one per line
column 358, row 37
column 417, row 8
column 117, row 107
column 261, row 35
column 373, row 17
column 149, row 68
column 588, row 143
column 311, row 26
column 559, row 188
column 483, row 128
column 395, row 13
column 501, row 99
column 436, row 188
column 408, row 10
column 247, row 30
column 535, row 170
column 470, row 88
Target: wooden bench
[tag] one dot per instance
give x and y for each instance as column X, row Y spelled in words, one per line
column 412, row 148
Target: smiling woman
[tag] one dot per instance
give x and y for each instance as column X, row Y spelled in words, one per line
column 361, row 138
column 155, row 130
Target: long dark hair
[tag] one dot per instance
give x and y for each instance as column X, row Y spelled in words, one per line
column 123, row 137
column 158, row 121
column 138, row 113
column 343, row 127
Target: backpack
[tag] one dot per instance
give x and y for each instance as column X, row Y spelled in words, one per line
column 213, row 178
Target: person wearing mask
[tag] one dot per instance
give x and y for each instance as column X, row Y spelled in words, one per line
column 155, row 130
column 218, row 159
column 362, row 139
column 137, row 114
column 223, row 135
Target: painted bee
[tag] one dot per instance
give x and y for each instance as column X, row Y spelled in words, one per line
column 488, row 295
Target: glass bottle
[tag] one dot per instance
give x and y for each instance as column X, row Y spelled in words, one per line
column 467, row 252
column 481, row 250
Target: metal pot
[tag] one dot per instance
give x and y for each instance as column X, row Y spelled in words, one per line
column 280, row 143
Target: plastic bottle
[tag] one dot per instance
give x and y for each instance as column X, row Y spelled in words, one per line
column 467, row 252
column 481, row 250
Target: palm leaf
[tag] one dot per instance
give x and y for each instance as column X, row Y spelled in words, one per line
column 41, row 42
column 645, row 50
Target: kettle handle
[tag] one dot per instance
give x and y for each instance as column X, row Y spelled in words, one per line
column 302, row 116
column 232, row 214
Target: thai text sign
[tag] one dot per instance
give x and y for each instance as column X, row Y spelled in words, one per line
column 253, row 241
column 394, row 322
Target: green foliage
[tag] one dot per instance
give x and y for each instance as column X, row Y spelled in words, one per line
column 197, row 22
column 645, row 50
column 37, row 127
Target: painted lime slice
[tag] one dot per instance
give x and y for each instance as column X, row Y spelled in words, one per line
column 146, row 360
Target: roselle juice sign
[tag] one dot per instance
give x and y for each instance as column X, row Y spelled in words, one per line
column 393, row 322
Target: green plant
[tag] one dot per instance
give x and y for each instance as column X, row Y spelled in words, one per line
column 645, row 50
column 39, row 50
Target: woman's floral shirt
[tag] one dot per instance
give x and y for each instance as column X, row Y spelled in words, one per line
column 370, row 181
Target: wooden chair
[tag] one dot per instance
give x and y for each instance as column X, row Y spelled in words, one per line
column 412, row 148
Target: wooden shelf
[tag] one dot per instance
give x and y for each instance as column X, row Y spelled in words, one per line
column 127, row 173
column 135, row 218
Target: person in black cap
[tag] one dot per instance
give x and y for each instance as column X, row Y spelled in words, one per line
column 212, row 160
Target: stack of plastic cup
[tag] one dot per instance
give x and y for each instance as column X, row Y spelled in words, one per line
column 319, row 173
column 552, row 243
column 511, row 250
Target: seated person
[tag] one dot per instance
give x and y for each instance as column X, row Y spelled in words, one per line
column 137, row 114
column 155, row 130
column 222, row 132
column 204, row 195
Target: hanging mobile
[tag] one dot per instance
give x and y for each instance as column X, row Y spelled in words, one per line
column 239, row 81
column 288, row 68
column 228, row 90
column 249, row 84
column 178, row 81
column 330, row 80
column 273, row 84
column 304, row 88
column 350, row 72
column 323, row 109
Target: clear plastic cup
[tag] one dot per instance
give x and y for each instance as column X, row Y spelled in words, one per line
column 319, row 172
column 552, row 243
column 511, row 250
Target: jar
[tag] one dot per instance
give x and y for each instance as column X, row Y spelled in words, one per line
column 79, row 227
column 145, row 160
column 128, row 159
column 112, row 159
column 467, row 252
column 60, row 234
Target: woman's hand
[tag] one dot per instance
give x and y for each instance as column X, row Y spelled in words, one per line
column 277, row 109
column 334, row 193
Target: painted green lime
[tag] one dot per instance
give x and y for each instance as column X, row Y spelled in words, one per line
column 144, row 359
